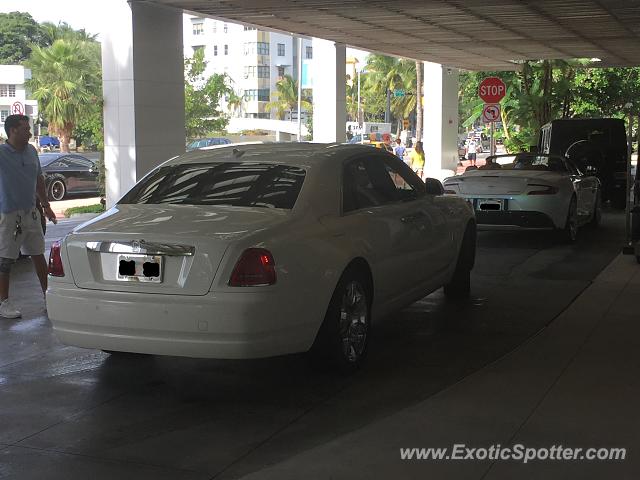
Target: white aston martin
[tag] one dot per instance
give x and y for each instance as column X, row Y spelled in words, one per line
column 530, row 191
column 250, row 251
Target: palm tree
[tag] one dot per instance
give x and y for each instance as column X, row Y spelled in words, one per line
column 419, row 115
column 66, row 82
column 285, row 98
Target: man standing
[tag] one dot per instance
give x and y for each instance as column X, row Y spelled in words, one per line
column 20, row 229
column 472, row 147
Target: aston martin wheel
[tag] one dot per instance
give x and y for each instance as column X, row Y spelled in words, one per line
column 57, row 189
column 343, row 338
column 569, row 233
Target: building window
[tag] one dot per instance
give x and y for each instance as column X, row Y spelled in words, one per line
column 261, row 95
column 247, row 29
column 263, row 72
column 226, row 49
column 309, row 52
column 3, row 115
column 281, row 49
column 280, row 72
column 215, row 50
column 226, row 28
column 263, row 48
column 198, row 28
column 198, row 48
column 7, row 90
column 249, row 71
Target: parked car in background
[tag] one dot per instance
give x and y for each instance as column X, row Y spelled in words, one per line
column 258, row 250
column 530, row 191
column 207, row 142
column 367, row 138
column 596, row 144
column 48, row 143
column 67, row 173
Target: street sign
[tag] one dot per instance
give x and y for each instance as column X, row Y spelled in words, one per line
column 492, row 90
column 399, row 93
column 491, row 113
column 17, row 108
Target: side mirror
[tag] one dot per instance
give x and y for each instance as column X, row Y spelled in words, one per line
column 433, row 186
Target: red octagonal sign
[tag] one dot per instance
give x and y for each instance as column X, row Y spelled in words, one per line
column 492, row 90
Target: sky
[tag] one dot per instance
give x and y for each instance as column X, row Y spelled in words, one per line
column 80, row 14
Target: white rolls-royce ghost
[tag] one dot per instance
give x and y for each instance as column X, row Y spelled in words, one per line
column 258, row 250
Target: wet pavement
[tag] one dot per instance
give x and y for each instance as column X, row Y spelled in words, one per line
column 73, row 413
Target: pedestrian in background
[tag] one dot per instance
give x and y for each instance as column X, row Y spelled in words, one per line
column 399, row 150
column 418, row 159
column 21, row 181
column 472, row 148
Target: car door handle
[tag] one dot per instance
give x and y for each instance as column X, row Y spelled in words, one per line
column 412, row 217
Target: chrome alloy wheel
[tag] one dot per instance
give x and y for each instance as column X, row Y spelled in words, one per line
column 354, row 311
column 58, row 190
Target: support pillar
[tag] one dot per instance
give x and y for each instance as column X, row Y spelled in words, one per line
column 440, row 117
column 143, row 88
column 329, row 91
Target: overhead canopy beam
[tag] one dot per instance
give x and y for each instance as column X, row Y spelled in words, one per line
column 469, row 34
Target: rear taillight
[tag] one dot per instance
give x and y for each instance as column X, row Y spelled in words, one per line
column 542, row 189
column 254, row 268
column 55, row 261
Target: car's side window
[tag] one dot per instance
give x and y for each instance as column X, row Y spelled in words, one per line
column 366, row 184
column 407, row 183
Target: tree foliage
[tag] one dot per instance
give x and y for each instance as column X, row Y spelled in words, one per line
column 202, row 96
column 66, row 81
column 18, row 32
column 285, row 98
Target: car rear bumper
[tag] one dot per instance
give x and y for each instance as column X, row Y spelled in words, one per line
column 217, row 325
column 515, row 220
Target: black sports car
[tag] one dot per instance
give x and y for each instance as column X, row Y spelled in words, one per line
column 68, row 173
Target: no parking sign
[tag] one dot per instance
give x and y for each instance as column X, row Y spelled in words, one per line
column 17, row 108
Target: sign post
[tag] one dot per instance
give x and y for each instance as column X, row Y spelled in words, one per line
column 491, row 90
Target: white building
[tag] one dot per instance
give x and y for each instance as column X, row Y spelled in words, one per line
column 13, row 95
column 255, row 60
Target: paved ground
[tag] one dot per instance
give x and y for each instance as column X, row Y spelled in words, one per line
column 73, row 414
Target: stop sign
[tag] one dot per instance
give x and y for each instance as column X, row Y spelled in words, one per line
column 492, row 90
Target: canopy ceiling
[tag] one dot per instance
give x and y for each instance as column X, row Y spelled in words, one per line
column 470, row 34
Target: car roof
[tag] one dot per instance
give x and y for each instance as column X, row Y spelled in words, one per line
column 299, row 154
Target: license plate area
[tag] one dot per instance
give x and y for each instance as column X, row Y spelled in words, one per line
column 139, row 268
column 490, row 204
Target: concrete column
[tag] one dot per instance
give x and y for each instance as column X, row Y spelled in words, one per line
column 329, row 91
column 440, row 117
column 143, row 87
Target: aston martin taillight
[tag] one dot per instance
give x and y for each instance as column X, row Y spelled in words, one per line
column 542, row 189
column 55, row 261
column 254, row 268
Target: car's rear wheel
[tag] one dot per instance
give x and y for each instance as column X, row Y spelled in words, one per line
column 57, row 189
column 460, row 285
column 343, row 337
column 569, row 233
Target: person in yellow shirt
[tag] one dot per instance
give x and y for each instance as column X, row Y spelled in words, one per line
column 417, row 159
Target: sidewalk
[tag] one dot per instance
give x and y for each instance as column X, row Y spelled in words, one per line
column 59, row 207
column 574, row 384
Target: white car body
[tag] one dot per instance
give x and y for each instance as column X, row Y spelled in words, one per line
column 510, row 198
column 411, row 248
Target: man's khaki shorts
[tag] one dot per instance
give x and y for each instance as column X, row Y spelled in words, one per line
column 29, row 237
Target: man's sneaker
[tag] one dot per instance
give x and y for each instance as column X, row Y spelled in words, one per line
column 9, row 311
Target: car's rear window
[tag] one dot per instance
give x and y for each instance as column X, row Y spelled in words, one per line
column 236, row 184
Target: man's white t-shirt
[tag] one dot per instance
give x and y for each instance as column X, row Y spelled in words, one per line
column 471, row 148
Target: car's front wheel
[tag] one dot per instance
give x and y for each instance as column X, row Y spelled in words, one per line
column 57, row 189
column 343, row 337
